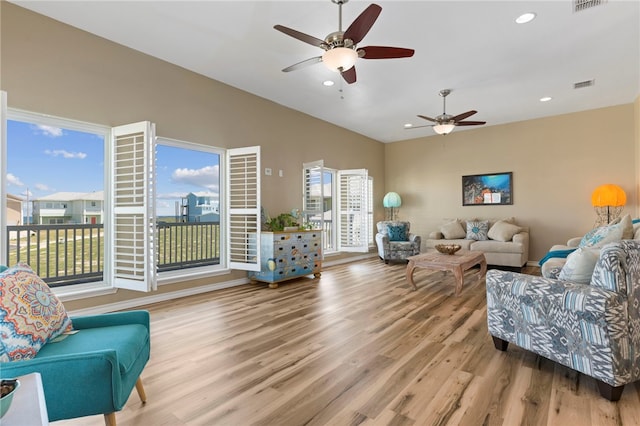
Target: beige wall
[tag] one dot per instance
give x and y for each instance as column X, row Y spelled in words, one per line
column 52, row 68
column 556, row 162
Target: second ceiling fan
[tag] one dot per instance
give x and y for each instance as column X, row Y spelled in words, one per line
column 445, row 123
column 341, row 51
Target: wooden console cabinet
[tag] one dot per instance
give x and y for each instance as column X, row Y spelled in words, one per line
column 287, row 255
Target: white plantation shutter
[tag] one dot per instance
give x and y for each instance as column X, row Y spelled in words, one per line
column 313, row 198
column 243, row 212
column 132, row 223
column 353, row 210
column 3, row 174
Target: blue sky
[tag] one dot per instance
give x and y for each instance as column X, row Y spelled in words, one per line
column 43, row 160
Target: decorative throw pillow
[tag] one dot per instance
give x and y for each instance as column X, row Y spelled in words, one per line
column 3, row 268
column 453, row 230
column 580, row 265
column 607, row 234
column 503, row 231
column 30, row 314
column 397, row 232
column 477, row 230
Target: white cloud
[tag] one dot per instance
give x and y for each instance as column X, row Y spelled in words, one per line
column 65, row 154
column 43, row 187
column 14, row 180
column 206, row 177
column 50, row 131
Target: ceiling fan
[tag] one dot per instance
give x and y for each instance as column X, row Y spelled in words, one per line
column 341, row 51
column 445, row 123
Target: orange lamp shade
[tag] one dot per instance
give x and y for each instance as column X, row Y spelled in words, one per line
column 608, row 195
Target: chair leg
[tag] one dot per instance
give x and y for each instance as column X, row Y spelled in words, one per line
column 140, row 389
column 500, row 344
column 612, row 393
column 110, row 419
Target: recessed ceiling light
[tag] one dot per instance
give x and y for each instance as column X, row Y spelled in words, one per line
column 328, row 83
column 525, row 17
column 406, row 126
column 546, row 99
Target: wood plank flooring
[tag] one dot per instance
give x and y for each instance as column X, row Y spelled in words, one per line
column 357, row 346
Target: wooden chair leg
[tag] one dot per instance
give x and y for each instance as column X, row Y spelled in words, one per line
column 140, row 389
column 612, row 393
column 110, row 419
column 500, row 344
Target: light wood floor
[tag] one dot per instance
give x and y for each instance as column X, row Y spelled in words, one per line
column 356, row 346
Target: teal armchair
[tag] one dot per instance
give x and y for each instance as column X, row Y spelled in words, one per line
column 94, row 370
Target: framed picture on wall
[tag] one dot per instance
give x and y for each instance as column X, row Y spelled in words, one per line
column 487, row 189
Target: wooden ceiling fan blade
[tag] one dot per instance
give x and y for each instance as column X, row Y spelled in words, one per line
column 303, row 64
column 464, row 115
column 470, row 123
column 428, row 118
column 300, row 36
column 349, row 75
column 362, row 24
column 419, row 127
column 385, row 52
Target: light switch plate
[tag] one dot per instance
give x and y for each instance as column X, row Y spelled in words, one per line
column 268, row 171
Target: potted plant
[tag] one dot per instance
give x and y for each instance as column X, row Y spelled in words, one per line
column 282, row 222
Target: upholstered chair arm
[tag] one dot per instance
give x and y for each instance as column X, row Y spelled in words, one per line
column 72, row 370
column 574, row 242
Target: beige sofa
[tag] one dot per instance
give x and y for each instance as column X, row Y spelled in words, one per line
column 622, row 228
column 503, row 241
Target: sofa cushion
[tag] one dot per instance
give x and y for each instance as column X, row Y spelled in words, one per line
column 492, row 246
column 397, row 232
column 579, row 265
column 127, row 340
column 503, row 231
column 477, row 230
column 608, row 234
column 30, row 314
column 453, row 230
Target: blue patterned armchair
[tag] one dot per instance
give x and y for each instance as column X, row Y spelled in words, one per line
column 398, row 244
column 593, row 328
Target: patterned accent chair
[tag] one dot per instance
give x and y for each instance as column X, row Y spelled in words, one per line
column 390, row 248
column 593, row 328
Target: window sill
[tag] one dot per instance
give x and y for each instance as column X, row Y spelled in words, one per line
column 83, row 291
column 180, row 275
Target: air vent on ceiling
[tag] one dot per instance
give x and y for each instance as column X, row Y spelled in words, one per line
column 582, row 84
column 580, row 5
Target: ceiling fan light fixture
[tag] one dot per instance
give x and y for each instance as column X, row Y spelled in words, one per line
column 443, row 128
column 339, row 59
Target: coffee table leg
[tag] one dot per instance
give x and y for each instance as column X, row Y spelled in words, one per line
column 483, row 269
column 459, row 274
column 409, row 274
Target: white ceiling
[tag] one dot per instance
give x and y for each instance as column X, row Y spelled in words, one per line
column 493, row 65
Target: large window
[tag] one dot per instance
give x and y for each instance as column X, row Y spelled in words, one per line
column 340, row 203
column 105, row 207
column 187, row 205
column 55, row 181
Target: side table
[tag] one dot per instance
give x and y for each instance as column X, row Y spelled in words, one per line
column 28, row 407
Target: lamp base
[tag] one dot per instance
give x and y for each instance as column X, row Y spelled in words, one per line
column 607, row 214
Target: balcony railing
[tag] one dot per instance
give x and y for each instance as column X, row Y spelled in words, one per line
column 72, row 254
